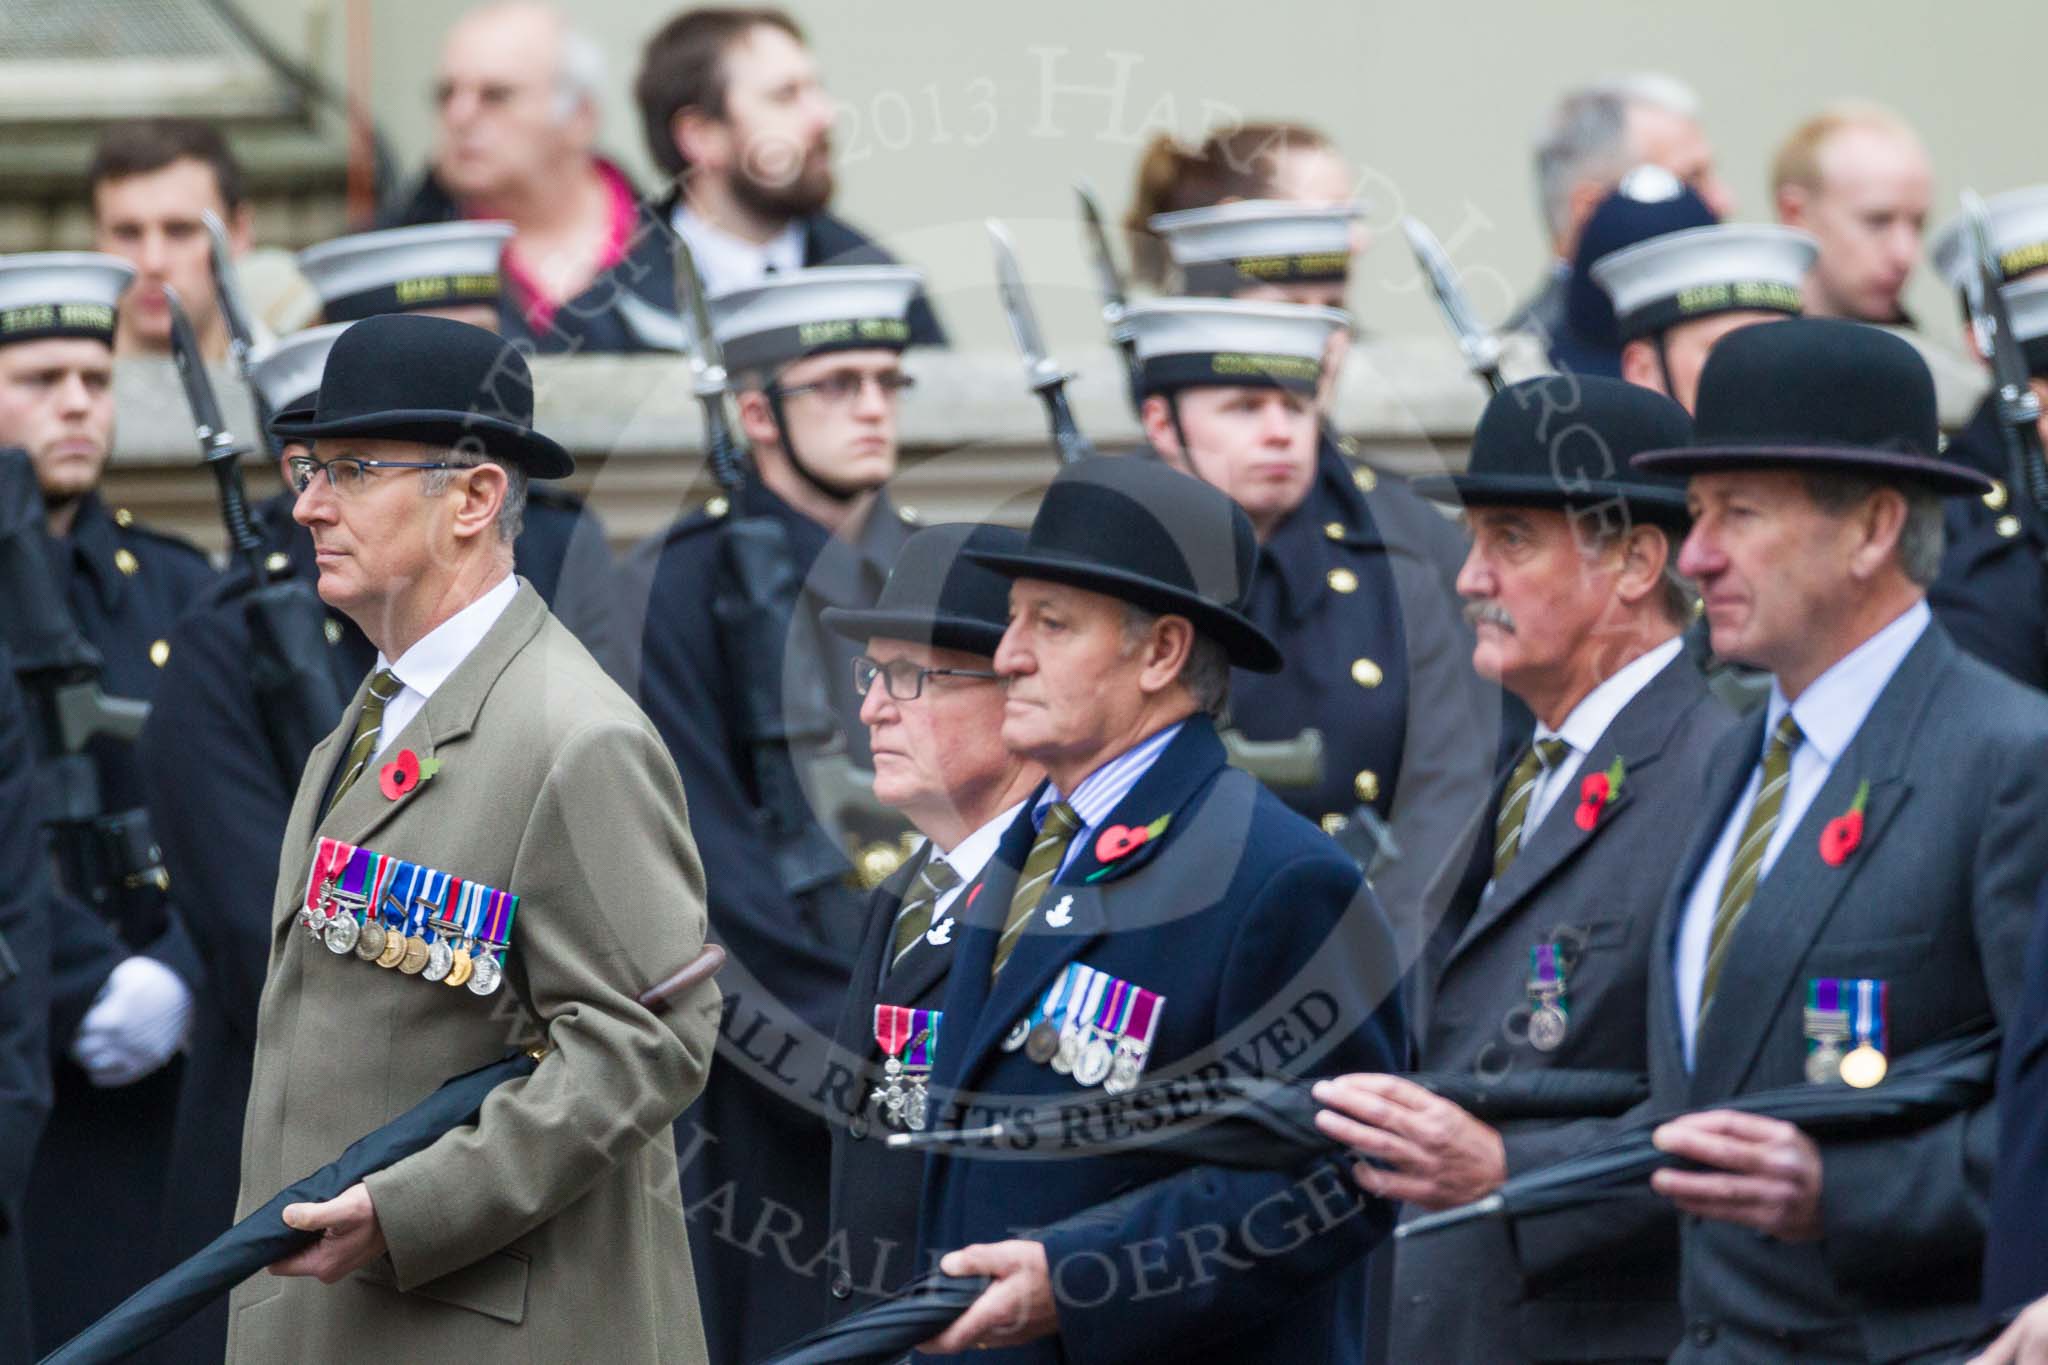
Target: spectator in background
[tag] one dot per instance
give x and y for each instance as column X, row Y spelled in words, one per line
column 1857, row 178
column 517, row 94
column 736, row 117
column 1595, row 135
column 150, row 181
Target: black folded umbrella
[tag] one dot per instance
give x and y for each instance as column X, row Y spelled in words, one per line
column 1269, row 1123
column 1920, row 1088
column 262, row 1238
column 885, row 1330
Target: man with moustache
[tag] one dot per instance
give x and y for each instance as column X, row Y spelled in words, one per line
column 934, row 711
column 151, row 182
column 1864, row 874
column 1148, row 903
column 737, row 118
column 124, row 968
column 1543, row 959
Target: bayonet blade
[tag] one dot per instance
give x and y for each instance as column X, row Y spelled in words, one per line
column 227, row 293
column 707, row 360
column 1991, row 320
column 209, row 425
column 1480, row 347
column 1108, row 281
column 1017, row 307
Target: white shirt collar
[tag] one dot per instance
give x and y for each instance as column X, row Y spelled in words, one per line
column 1597, row 709
column 1832, row 709
column 971, row 855
column 726, row 262
column 435, row 655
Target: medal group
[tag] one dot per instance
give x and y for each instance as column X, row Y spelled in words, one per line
column 1846, row 1030
column 408, row 918
column 1091, row 1026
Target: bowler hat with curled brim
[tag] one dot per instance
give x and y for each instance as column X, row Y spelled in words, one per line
column 1130, row 528
column 410, row 377
column 1564, row 441
column 937, row 595
column 1818, row 395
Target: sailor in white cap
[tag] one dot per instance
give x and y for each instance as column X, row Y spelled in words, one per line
column 1372, row 639
column 2016, row 221
column 122, row 1004
column 745, row 684
column 1678, row 294
column 1263, row 249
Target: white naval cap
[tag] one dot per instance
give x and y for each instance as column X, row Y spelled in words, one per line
column 2026, row 302
column 1698, row 272
column 287, row 375
column 60, row 294
column 403, row 270
column 800, row 313
column 2017, row 224
column 1227, row 247
column 1189, row 343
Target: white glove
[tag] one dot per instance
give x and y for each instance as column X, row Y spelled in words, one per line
column 138, row 1021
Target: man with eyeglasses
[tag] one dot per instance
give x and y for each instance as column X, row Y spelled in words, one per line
column 720, row 614
column 934, row 711
column 486, row 747
column 123, row 968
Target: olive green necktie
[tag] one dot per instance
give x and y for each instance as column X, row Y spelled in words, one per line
column 384, row 685
column 1062, row 823
column 934, row 880
column 1744, row 868
column 1542, row 756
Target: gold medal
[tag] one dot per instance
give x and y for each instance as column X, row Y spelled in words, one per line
column 1864, row 1067
column 458, row 973
column 415, row 959
column 394, row 949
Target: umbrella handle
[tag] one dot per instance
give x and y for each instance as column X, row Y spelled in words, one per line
column 696, row 971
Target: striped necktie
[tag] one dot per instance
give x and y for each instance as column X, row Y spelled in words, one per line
column 1542, row 756
column 934, row 880
column 1062, row 823
column 384, row 685
column 1745, row 867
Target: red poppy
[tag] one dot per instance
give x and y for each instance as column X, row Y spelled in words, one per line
column 1842, row 835
column 1118, row 840
column 399, row 776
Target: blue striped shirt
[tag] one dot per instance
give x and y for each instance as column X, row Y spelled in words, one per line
column 1101, row 791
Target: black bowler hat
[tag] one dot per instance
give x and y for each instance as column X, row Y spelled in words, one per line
column 1818, row 394
column 1133, row 529
column 937, row 595
column 1565, row 441
column 410, row 377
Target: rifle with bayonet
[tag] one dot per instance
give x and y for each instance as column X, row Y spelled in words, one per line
column 100, row 855
column 1480, row 347
column 1045, row 377
column 754, row 605
column 1109, row 282
column 297, row 700
column 2019, row 411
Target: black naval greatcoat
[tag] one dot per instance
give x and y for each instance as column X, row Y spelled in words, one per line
column 221, row 800
column 25, row 895
column 754, row 1156
column 104, row 1155
column 1992, row 593
column 1355, row 588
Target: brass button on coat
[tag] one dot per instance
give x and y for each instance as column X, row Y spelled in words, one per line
column 1367, row 785
column 1366, row 673
column 1342, row 580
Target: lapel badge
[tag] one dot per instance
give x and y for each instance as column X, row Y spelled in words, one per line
column 941, row 933
column 1061, row 915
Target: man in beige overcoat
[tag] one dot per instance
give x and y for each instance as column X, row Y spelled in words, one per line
column 486, row 745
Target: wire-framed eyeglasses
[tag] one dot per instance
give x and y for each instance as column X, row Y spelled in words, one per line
column 903, row 679
column 348, row 474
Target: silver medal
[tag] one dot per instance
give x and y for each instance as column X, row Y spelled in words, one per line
column 1014, row 1039
column 914, row 1106
column 440, row 960
column 1547, row 1028
column 1068, row 1053
column 342, row 931
column 1092, row 1066
column 488, row 973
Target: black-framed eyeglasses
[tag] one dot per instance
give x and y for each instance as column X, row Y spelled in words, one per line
column 842, row 387
column 347, row 474
column 904, row 679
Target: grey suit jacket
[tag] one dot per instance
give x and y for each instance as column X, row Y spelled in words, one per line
column 1463, row 1295
column 1936, row 901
